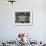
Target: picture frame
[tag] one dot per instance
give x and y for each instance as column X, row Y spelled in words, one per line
column 23, row 18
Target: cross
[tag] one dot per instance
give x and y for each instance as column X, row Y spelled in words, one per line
column 12, row 1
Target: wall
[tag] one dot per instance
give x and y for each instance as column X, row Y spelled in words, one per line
column 9, row 31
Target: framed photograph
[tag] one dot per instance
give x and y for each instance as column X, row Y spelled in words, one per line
column 23, row 18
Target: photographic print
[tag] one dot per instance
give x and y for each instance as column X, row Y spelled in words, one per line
column 23, row 18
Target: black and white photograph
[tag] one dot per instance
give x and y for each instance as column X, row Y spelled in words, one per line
column 23, row 18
